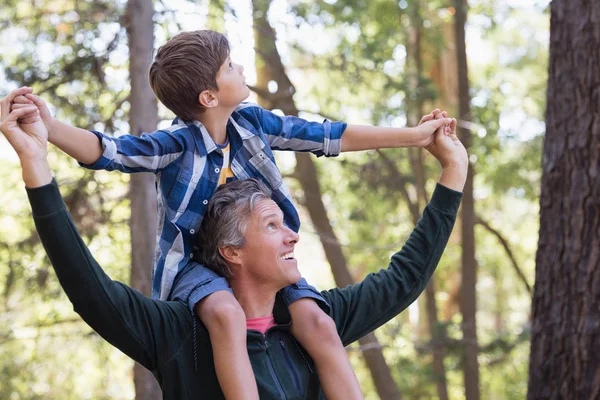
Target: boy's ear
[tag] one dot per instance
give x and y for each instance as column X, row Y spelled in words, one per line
column 208, row 99
column 231, row 254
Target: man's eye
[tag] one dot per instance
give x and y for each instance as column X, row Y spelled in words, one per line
column 271, row 226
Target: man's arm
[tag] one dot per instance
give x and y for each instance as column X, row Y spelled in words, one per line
column 94, row 150
column 361, row 308
column 124, row 317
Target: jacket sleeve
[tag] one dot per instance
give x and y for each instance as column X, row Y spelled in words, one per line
column 140, row 327
column 296, row 134
column 361, row 308
column 145, row 153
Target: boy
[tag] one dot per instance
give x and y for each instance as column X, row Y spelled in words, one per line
column 216, row 138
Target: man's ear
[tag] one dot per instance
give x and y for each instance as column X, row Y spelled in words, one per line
column 232, row 255
column 208, row 99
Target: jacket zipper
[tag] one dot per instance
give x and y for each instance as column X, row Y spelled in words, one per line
column 291, row 366
column 272, row 371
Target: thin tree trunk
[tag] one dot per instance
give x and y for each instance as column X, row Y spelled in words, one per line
column 565, row 343
column 469, row 265
column 414, row 113
column 270, row 68
column 143, row 116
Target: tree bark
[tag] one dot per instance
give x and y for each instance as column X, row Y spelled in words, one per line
column 415, row 106
column 469, row 264
column 270, row 68
column 143, row 116
column 565, row 343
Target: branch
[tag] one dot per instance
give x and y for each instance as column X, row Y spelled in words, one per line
column 509, row 253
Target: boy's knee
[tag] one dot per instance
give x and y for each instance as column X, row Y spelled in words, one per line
column 319, row 325
column 221, row 312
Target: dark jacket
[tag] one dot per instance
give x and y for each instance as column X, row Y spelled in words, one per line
column 160, row 334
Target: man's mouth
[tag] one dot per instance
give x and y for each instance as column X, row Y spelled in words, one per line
column 288, row 256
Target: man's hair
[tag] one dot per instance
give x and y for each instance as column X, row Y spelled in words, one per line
column 225, row 221
column 184, row 67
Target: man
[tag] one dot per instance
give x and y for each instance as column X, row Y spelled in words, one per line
column 171, row 342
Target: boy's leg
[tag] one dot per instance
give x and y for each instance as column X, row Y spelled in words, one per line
column 208, row 295
column 226, row 323
column 317, row 333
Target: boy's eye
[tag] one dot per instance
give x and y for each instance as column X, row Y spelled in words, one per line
column 230, row 65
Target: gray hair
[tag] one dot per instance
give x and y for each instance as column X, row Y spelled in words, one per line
column 225, row 221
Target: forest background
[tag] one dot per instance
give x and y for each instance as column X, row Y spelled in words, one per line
column 382, row 62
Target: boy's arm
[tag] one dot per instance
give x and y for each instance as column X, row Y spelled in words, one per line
column 363, row 137
column 297, row 134
column 94, row 150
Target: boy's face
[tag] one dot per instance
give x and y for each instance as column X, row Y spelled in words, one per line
column 232, row 84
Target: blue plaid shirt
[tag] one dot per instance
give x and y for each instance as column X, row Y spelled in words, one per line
column 187, row 164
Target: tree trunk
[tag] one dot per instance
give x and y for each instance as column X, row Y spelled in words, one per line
column 414, row 113
column 270, row 68
column 469, row 265
column 143, row 116
column 565, row 343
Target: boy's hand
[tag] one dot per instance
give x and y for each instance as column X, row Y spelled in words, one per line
column 429, row 124
column 449, row 151
column 28, row 98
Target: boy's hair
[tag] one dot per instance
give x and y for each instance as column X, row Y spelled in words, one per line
column 184, row 67
column 225, row 221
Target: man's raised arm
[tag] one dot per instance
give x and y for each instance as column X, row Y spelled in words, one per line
column 124, row 317
column 359, row 309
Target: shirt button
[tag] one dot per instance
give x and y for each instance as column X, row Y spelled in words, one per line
column 192, row 231
column 205, row 202
column 217, row 170
column 191, row 255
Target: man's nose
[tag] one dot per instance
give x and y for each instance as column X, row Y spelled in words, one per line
column 292, row 236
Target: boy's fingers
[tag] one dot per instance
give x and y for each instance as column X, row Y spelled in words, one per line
column 17, row 106
column 36, row 99
column 6, row 102
column 22, row 100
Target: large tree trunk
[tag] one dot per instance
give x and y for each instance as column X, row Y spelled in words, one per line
column 143, row 116
column 270, row 68
column 565, row 342
column 469, row 265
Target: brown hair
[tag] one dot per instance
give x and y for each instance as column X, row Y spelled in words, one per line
column 184, row 67
column 225, row 221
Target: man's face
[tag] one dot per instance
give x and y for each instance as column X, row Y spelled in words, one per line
column 232, row 84
column 268, row 252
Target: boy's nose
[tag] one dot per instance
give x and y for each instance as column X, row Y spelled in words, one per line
column 241, row 68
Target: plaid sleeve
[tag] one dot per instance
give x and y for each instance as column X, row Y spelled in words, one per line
column 297, row 134
column 145, row 153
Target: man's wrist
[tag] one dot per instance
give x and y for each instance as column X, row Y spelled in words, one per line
column 454, row 176
column 51, row 129
column 36, row 171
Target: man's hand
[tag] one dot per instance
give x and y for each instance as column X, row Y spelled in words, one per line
column 453, row 157
column 28, row 98
column 30, row 140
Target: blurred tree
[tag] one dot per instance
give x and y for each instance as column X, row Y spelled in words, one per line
column 270, row 68
column 143, row 117
column 468, row 295
column 565, row 342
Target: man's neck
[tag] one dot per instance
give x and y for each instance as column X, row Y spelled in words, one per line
column 256, row 300
column 215, row 121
